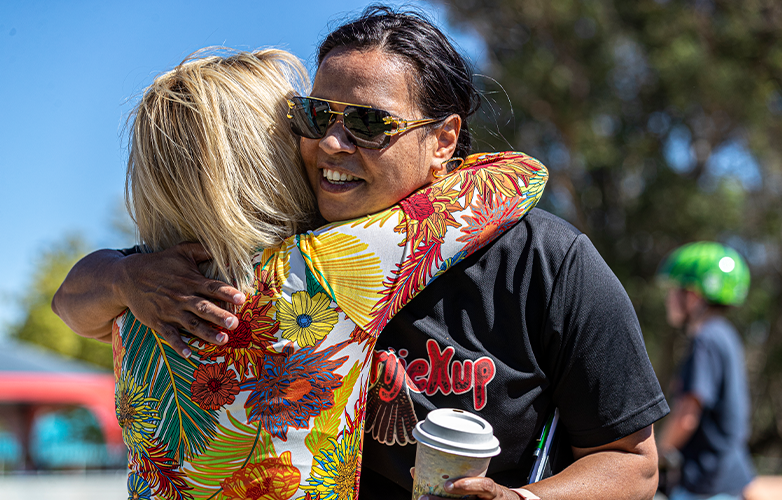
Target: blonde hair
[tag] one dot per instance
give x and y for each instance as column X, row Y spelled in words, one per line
column 212, row 158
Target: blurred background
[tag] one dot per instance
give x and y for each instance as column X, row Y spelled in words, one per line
column 659, row 120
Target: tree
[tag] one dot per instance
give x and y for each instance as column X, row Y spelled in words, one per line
column 660, row 123
column 40, row 325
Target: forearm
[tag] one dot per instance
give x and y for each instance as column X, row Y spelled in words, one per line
column 606, row 474
column 680, row 424
column 623, row 470
column 88, row 299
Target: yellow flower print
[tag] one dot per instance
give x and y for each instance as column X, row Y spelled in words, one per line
column 334, row 470
column 305, row 319
column 136, row 414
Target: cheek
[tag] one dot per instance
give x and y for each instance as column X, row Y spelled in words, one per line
column 673, row 309
column 414, row 173
column 309, row 151
column 399, row 183
column 309, row 154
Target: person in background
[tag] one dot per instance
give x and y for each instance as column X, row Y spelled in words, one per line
column 707, row 430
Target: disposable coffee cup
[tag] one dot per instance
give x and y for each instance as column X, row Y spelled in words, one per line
column 451, row 444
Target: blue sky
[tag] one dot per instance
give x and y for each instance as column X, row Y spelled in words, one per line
column 69, row 75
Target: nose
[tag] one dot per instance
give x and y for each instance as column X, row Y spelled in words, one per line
column 336, row 139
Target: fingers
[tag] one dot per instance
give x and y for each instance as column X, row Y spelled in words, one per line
column 481, row 487
column 478, row 487
column 203, row 330
column 207, row 311
column 166, row 291
column 171, row 335
column 195, row 251
column 217, row 290
column 213, row 289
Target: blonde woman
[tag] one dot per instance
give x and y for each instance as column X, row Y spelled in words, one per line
column 276, row 408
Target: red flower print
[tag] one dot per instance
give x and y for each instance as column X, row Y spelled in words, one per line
column 256, row 322
column 214, row 386
column 240, row 337
column 246, row 343
column 267, row 282
column 429, row 214
column 418, row 206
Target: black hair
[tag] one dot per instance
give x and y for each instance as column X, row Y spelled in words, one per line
column 442, row 83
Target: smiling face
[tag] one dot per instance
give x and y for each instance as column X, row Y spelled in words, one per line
column 350, row 181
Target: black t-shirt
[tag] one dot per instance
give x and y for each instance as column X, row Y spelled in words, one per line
column 536, row 320
column 716, row 458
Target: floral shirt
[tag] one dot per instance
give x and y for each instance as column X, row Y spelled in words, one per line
column 277, row 412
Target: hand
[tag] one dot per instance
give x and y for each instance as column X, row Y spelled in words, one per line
column 480, row 487
column 166, row 291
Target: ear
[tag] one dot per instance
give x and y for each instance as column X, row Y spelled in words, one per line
column 693, row 302
column 446, row 137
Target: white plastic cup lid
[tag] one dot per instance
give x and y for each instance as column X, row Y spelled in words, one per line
column 459, row 432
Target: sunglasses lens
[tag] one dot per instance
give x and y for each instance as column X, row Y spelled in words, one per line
column 310, row 117
column 367, row 126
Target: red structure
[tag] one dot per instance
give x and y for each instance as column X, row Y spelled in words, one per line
column 33, row 381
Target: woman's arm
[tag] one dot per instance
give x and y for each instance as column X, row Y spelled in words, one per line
column 87, row 303
column 624, row 469
column 164, row 290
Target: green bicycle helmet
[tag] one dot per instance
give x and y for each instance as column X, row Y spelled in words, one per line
column 713, row 270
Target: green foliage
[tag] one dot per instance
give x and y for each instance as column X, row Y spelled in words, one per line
column 639, row 109
column 40, row 325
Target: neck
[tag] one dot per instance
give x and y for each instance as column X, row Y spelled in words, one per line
column 697, row 318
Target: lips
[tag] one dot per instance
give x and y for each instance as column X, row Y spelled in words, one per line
column 338, row 182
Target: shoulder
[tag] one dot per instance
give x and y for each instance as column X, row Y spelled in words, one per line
column 719, row 334
column 544, row 231
column 542, row 239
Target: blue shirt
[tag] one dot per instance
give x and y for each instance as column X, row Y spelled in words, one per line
column 716, row 458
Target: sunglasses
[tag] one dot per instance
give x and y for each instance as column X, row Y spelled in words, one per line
column 365, row 126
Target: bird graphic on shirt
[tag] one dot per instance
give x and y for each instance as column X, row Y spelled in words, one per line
column 390, row 414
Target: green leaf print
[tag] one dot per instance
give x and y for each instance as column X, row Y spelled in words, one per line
column 233, row 448
column 185, row 427
column 313, row 287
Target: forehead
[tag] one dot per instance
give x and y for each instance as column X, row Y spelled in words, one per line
column 372, row 78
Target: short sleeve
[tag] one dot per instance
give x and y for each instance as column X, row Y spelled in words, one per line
column 603, row 381
column 700, row 373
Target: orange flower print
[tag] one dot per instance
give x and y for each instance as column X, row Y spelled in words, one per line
column 273, row 479
column 213, row 387
column 267, row 282
column 428, row 215
column 502, row 177
column 491, row 216
column 256, row 324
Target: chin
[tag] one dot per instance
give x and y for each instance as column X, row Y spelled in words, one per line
column 335, row 214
